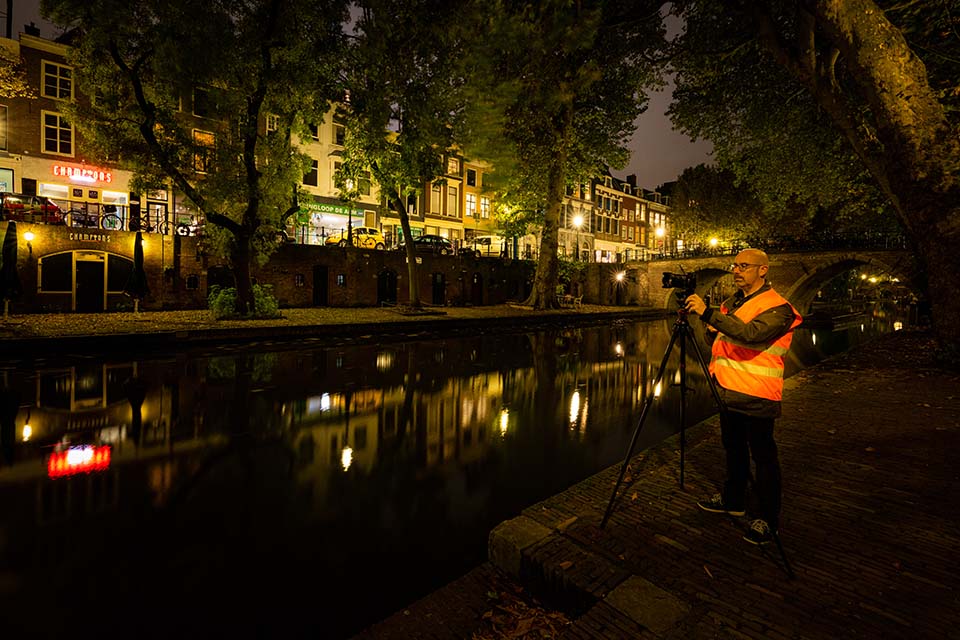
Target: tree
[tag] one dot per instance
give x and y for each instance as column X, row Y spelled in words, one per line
column 707, row 202
column 258, row 73
column 13, row 81
column 405, row 103
column 876, row 89
column 568, row 81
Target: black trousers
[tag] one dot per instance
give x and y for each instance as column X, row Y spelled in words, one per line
column 743, row 435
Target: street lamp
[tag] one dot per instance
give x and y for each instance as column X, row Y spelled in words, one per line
column 660, row 232
column 578, row 223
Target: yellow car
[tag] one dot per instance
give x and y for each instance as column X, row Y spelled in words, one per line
column 363, row 237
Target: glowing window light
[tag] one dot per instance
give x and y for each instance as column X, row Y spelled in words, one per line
column 346, row 458
column 618, row 349
column 656, row 390
column 813, row 337
column 27, row 432
column 897, row 326
column 85, row 459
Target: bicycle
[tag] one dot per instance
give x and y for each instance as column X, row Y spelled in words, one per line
column 107, row 221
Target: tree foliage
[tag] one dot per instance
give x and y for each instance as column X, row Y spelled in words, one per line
column 707, row 202
column 846, row 108
column 148, row 64
column 405, row 104
column 562, row 83
column 13, row 81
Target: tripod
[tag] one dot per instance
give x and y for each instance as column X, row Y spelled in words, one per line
column 682, row 333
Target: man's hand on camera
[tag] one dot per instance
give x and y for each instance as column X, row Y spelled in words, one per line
column 695, row 304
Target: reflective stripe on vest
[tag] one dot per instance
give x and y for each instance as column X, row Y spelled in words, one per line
column 753, row 369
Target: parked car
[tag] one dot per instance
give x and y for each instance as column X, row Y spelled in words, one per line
column 363, row 237
column 25, row 208
column 488, row 246
column 431, row 244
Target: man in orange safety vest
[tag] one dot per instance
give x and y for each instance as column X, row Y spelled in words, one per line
column 750, row 335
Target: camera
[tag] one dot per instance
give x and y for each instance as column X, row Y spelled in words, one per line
column 685, row 281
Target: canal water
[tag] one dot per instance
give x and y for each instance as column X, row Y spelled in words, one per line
column 269, row 492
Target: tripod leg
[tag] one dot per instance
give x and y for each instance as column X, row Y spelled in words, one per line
column 683, row 397
column 706, row 372
column 786, row 563
column 643, row 416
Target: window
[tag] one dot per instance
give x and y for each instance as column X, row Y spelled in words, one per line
column 3, row 127
column 471, row 205
column 299, row 280
column 314, row 132
column 333, row 176
column 435, row 195
column 471, row 177
column 273, row 122
column 57, row 81
column 453, row 202
column 339, row 134
column 57, row 134
column 202, row 103
column 484, row 207
column 193, row 282
column 364, row 184
column 311, row 177
column 203, row 150
column 453, row 166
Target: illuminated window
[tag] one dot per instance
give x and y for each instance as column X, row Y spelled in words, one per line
column 203, row 150
column 57, row 81
column 435, row 195
column 57, row 134
column 453, row 166
column 273, row 122
column 471, row 205
column 339, row 134
column 453, row 202
column 484, row 207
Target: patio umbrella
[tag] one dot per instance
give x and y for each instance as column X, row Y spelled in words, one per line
column 136, row 286
column 10, row 288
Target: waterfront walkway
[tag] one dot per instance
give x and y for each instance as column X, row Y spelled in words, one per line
column 870, row 449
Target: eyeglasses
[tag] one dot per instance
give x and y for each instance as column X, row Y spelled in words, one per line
column 743, row 266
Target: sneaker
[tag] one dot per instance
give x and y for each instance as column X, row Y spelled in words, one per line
column 759, row 533
column 716, row 505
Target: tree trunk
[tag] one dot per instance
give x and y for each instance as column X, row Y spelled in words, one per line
column 413, row 283
column 544, row 294
column 241, row 273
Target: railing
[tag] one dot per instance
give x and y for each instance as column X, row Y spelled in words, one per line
column 787, row 244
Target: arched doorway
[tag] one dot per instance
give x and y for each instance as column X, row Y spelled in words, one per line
column 88, row 276
column 476, row 290
column 320, row 287
column 387, row 287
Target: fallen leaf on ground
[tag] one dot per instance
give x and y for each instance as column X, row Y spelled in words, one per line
column 707, row 570
column 566, row 564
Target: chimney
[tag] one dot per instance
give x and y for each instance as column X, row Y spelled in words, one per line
column 632, row 180
column 31, row 29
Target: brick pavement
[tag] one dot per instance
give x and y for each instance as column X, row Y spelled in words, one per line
column 869, row 445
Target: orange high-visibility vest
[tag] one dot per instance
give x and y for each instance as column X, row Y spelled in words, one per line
column 755, row 369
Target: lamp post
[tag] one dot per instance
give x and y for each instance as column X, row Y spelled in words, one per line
column 578, row 223
column 660, row 232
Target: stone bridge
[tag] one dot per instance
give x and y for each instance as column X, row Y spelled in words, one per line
column 795, row 275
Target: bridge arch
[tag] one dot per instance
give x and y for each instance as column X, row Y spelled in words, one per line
column 803, row 290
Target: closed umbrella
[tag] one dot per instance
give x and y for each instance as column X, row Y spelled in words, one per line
column 10, row 288
column 136, row 286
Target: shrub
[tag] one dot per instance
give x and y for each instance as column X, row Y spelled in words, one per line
column 222, row 302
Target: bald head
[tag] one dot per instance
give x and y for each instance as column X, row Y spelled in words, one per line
column 753, row 256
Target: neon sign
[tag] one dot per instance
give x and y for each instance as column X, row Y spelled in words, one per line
column 76, row 460
column 82, row 174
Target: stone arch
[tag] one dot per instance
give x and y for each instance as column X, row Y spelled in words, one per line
column 803, row 291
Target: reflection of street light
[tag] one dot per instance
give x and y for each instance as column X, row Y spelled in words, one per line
column 578, row 223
